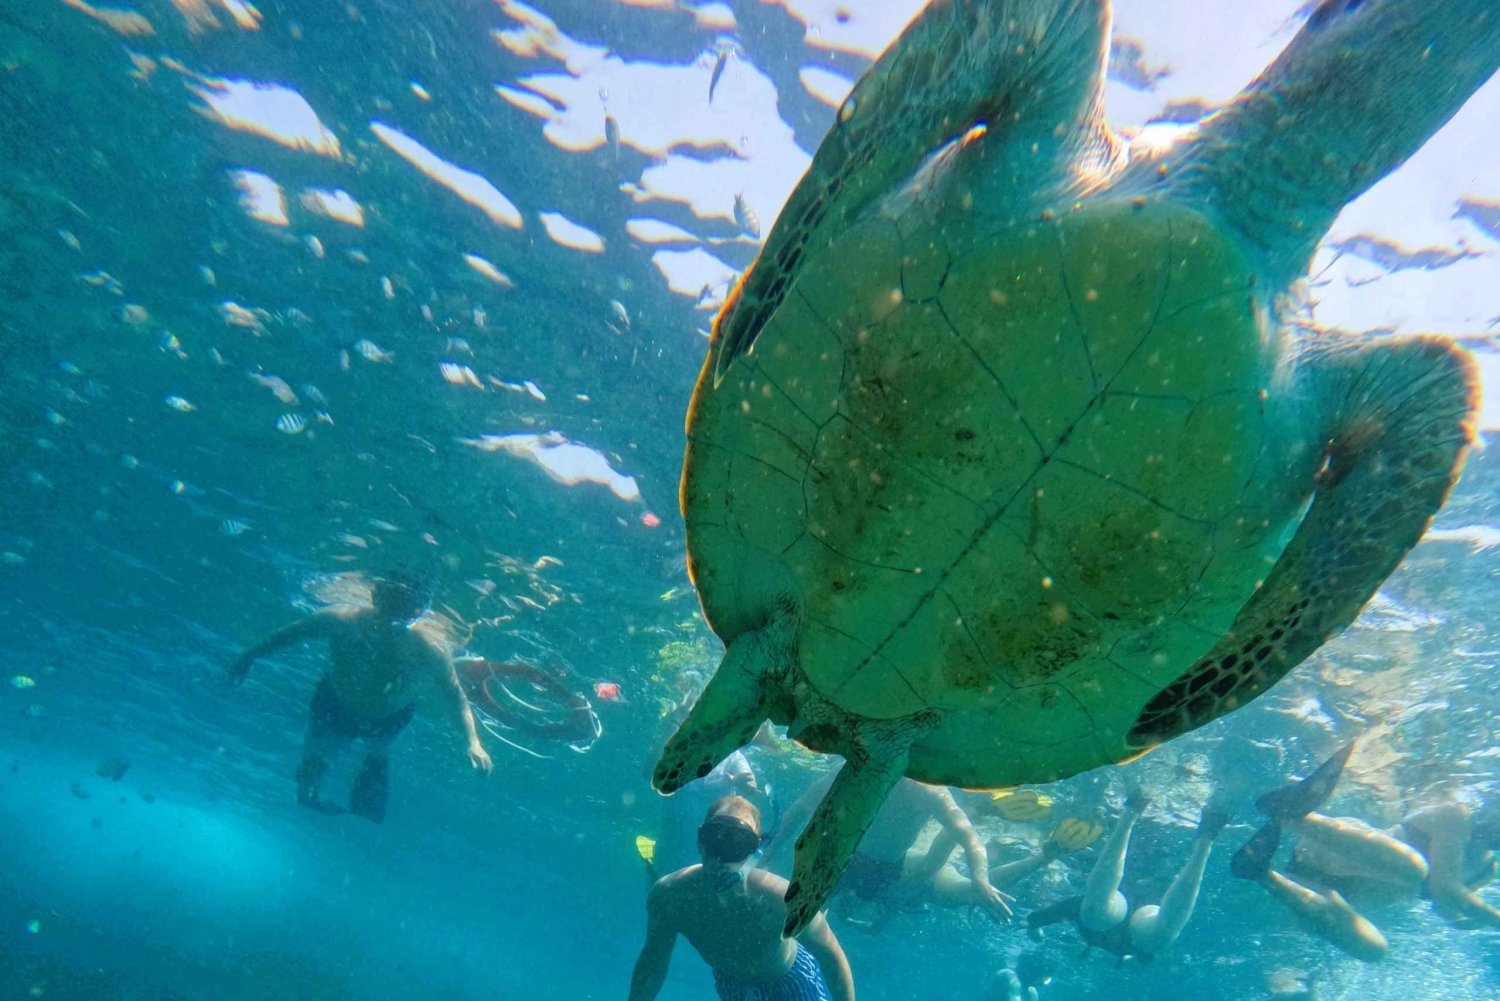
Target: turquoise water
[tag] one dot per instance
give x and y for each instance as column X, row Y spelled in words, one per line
column 218, row 412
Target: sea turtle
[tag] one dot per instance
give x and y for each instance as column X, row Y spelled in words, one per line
column 1014, row 453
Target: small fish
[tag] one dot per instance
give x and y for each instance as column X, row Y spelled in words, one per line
column 291, row 424
column 420, row 91
column 535, row 392
column 277, row 385
column 745, row 217
column 612, row 136
column 113, row 769
column 314, row 394
column 22, row 681
column 621, row 314
column 343, row 361
column 383, row 526
column 370, row 351
column 323, row 417
column 315, row 245
column 207, row 274
column 180, row 405
column 480, row 317
column 713, row 80
column 70, row 368
column 387, row 287
column 233, row 527
column 32, row 711
column 67, row 237
column 357, row 256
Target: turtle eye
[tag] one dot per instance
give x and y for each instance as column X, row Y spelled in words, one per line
column 846, row 111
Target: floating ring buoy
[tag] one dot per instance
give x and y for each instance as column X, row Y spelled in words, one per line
column 569, row 718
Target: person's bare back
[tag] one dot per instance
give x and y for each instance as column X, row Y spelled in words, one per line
column 736, row 932
column 376, row 671
column 733, row 914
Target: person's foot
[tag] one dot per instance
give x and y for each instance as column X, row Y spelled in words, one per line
column 1213, row 819
column 309, row 777
column 1136, row 799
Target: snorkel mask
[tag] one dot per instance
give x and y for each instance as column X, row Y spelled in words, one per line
column 729, row 842
column 401, row 599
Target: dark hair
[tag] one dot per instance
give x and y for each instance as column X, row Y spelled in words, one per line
column 412, row 585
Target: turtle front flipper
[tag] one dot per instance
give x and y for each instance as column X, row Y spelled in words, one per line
column 836, row 827
column 1030, row 72
column 1359, row 89
column 743, row 692
column 1403, row 419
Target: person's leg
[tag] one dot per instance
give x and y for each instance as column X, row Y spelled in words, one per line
column 327, row 737
column 1448, row 828
column 371, row 791
column 1103, row 904
column 1155, row 927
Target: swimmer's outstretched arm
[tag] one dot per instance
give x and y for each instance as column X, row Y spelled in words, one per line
column 957, row 824
column 319, row 625
column 819, row 940
column 458, row 704
column 656, row 955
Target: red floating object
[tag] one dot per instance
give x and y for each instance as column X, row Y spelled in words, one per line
column 607, row 691
column 650, row 520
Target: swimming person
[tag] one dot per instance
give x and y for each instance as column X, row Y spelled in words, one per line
column 379, row 657
column 1438, row 851
column 887, row 874
column 1101, row 911
column 733, row 913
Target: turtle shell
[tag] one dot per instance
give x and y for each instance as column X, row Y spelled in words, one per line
column 1020, row 475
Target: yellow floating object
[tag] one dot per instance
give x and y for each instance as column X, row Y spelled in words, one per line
column 1072, row 834
column 646, row 848
column 1022, row 804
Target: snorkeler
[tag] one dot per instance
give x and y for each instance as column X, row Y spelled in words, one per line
column 1101, row 911
column 379, row 656
column 887, row 875
column 733, row 913
column 1438, row 851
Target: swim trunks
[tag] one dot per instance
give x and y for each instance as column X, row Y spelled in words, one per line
column 803, row 982
column 328, row 716
column 871, row 878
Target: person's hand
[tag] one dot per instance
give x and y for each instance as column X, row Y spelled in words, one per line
column 239, row 670
column 995, row 903
column 480, row 758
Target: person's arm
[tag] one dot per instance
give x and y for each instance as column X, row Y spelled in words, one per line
column 957, row 824
column 656, row 955
column 458, row 704
column 819, row 940
column 319, row 625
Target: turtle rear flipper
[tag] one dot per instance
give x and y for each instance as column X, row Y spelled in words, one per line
column 838, row 824
column 1403, row 420
column 741, row 694
column 1030, row 71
